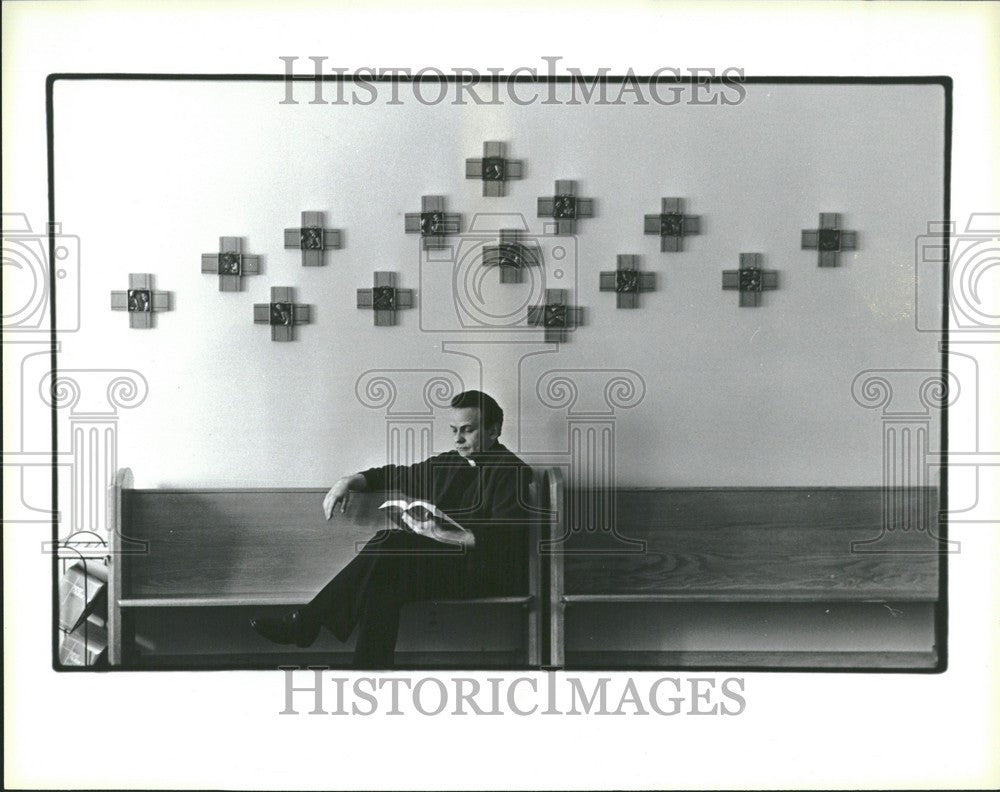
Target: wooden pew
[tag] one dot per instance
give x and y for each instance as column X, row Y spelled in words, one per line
column 770, row 564
column 204, row 556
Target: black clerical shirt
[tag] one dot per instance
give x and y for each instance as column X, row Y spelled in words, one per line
column 489, row 497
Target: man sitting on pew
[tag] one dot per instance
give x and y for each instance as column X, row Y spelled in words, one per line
column 480, row 484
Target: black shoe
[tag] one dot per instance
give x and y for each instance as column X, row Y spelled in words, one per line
column 289, row 629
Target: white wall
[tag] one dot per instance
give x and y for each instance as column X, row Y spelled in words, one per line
column 150, row 174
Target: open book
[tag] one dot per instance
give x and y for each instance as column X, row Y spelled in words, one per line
column 426, row 519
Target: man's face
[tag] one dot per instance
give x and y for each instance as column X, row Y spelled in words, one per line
column 471, row 437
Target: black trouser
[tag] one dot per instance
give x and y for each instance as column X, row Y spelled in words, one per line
column 393, row 568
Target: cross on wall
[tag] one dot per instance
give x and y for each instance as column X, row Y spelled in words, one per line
column 565, row 207
column 672, row 225
column 312, row 239
column 512, row 256
column 494, row 169
column 829, row 239
column 432, row 222
column 230, row 264
column 750, row 280
column 385, row 299
column 627, row 282
column 282, row 314
column 555, row 315
column 141, row 301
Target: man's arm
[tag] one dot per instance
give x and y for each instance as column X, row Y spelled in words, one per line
column 341, row 493
column 415, row 481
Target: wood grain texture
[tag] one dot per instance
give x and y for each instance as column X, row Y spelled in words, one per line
column 760, row 595
column 533, row 623
column 116, row 525
column 231, row 547
column 242, row 545
column 270, row 661
column 289, row 601
column 720, row 660
column 555, row 606
column 747, row 544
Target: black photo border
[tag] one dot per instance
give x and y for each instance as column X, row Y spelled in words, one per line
column 945, row 82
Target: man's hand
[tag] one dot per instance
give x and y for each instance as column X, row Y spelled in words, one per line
column 341, row 493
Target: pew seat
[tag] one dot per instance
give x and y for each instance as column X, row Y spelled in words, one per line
column 190, row 566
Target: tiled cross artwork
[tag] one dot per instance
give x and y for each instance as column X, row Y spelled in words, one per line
column 750, row 280
column 312, row 239
column 140, row 301
column 282, row 314
column 626, row 281
column 385, row 299
column 494, row 169
column 432, row 222
column 512, row 256
column 829, row 239
column 230, row 264
column 565, row 207
column 672, row 225
column 555, row 315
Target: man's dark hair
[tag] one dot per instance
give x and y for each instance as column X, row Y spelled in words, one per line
column 486, row 404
